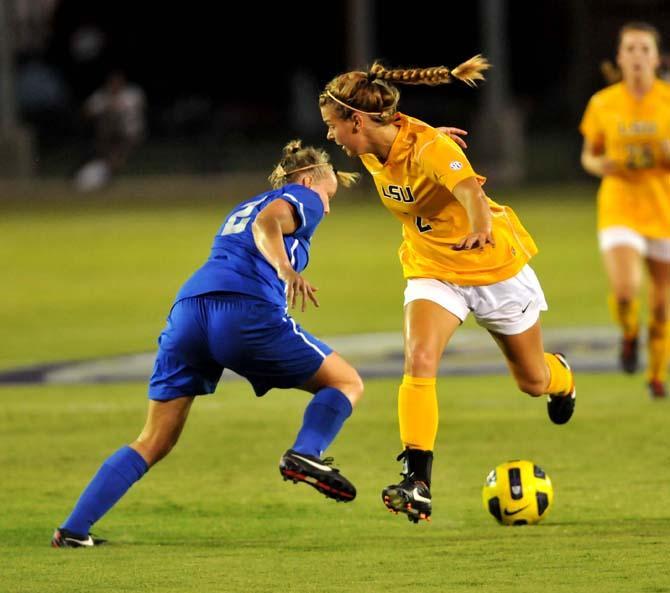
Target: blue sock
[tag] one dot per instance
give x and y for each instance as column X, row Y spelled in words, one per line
column 324, row 416
column 112, row 481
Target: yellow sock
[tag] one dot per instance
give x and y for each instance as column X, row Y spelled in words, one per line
column 658, row 351
column 417, row 412
column 625, row 313
column 560, row 378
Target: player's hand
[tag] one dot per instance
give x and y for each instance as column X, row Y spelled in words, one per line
column 297, row 287
column 475, row 241
column 455, row 134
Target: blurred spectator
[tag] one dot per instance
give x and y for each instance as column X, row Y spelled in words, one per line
column 117, row 111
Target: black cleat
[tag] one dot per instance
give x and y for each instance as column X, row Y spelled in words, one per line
column 62, row 538
column 560, row 407
column 409, row 497
column 628, row 357
column 657, row 389
column 412, row 495
column 318, row 473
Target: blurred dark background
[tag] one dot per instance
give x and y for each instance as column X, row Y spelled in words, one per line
column 225, row 87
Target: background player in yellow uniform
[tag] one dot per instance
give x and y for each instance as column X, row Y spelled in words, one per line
column 461, row 252
column 626, row 130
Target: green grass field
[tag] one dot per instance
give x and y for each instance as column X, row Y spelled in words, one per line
column 95, row 276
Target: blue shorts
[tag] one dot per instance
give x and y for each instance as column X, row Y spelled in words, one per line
column 251, row 337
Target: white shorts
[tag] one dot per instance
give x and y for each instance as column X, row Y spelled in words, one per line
column 617, row 236
column 509, row 307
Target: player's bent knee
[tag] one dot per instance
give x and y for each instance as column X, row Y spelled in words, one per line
column 533, row 386
column 421, row 362
column 356, row 389
column 352, row 387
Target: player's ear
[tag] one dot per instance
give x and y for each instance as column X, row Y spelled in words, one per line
column 307, row 181
column 358, row 121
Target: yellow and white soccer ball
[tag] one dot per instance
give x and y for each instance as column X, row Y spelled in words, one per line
column 518, row 493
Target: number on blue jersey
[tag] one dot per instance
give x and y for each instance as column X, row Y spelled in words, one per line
column 238, row 220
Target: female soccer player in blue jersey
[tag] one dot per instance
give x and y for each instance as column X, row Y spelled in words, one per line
column 233, row 313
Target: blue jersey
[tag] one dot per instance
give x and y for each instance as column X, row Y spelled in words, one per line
column 236, row 265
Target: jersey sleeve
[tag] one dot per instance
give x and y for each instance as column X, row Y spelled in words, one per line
column 307, row 204
column 442, row 161
column 590, row 127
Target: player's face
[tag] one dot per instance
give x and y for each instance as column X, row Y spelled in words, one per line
column 342, row 132
column 329, row 189
column 638, row 55
column 325, row 186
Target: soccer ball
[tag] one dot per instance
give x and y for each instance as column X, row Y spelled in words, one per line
column 518, row 493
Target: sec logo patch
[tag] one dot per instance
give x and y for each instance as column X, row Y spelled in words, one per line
column 455, row 165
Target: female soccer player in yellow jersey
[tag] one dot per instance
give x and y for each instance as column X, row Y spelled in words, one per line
column 626, row 130
column 461, row 252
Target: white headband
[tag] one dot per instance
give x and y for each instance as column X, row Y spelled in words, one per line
column 334, row 98
column 287, row 173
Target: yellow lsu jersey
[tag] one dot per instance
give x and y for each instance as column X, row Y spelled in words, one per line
column 415, row 184
column 632, row 131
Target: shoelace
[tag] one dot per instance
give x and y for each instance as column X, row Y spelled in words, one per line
column 405, row 469
column 329, row 462
column 406, row 474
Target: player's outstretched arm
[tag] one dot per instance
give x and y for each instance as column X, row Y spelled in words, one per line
column 275, row 221
column 469, row 193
